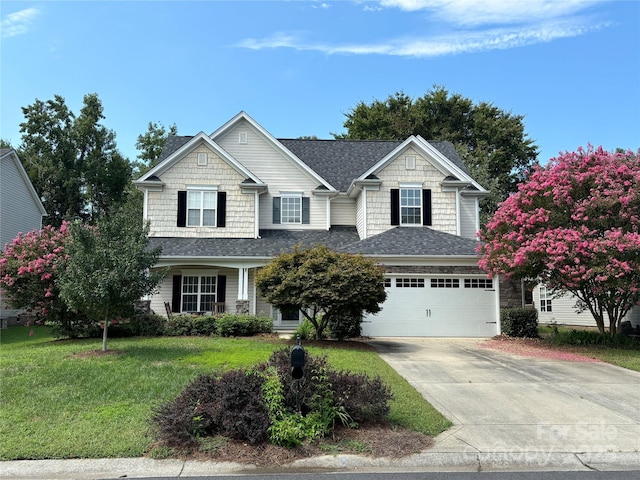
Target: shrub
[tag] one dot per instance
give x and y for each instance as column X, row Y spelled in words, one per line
column 203, row 326
column 238, row 325
column 363, row 399
column 146, row 325
column 230, row 405
column 582, row 338
column 261, row 404
column 306, row 330
column 347, row 325
column 519, row 322
column 179, row 325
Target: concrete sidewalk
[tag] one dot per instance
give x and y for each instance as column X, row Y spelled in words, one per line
column 510, row 413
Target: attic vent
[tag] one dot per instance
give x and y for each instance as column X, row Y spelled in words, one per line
column 410, row 162
column 242, row 137
column 202, row 159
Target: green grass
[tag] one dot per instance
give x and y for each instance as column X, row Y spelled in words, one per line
column 59, row 401
column 626, row 357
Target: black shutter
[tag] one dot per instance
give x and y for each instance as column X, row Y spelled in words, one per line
column 222, row 288
column 395, row 206
column 305, row 210
column 176, row 296
column 276, row 210
column 426, row 207
column 222, row 209
column 182, row 208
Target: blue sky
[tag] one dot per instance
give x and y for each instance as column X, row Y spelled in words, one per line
column 572, row 68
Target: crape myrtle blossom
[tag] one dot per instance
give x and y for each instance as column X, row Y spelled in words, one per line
column 575, row 225
column 28, row 268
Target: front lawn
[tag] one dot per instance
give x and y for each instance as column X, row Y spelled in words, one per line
column 61, row 400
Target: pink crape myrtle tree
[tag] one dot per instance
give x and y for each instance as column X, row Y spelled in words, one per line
column 29, row 267
column 575, row 226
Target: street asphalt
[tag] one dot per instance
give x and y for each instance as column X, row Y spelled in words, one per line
column 510, row 413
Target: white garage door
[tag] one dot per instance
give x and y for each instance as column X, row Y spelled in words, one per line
column 436, row 307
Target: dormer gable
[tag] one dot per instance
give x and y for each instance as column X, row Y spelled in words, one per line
column 154, row 175
column 449, row 169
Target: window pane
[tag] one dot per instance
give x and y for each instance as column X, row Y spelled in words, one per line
column 208, row 284
column 193, row 218
column 209, row 200
column 206, row 303
column 190, row 284
column 189, row 303
column 193, row 199
column 209, row 218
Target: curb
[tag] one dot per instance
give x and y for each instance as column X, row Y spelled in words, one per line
column 92, row 469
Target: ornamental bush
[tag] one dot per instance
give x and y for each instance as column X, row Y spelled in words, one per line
column 260, row 404
column 519, row 322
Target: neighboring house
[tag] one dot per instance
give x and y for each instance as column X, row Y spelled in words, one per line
column 223, row 205
column 21, row 210
column 561, row 310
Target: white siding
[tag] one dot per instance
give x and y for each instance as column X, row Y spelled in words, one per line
column 19, row 212
column 443, row 204
column 343, row 211
column 279, row 172
column 563, row 312
column 468, row 217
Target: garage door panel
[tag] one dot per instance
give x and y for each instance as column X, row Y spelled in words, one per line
column 452, row 310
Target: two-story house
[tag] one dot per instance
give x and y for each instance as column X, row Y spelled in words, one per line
column 223, row 205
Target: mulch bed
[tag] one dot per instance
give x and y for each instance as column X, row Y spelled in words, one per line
column 379, row 440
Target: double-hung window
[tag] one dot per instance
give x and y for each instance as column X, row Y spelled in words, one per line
column 411, row 205
column 198, row 293
column 291, row 208
column 201, row 207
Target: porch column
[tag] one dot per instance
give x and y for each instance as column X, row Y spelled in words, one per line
column 242, row 303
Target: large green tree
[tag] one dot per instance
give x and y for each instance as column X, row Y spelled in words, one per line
column 109, row 267
column 73, row 161
column 491, row 142
column 324, row 285
column 150, row 145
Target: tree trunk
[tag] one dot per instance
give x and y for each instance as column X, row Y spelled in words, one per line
column 104, row 333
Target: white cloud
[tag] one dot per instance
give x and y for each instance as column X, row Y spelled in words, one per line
column 471, row 26
column 451, row 44
column 483, row 12
column 18, row 23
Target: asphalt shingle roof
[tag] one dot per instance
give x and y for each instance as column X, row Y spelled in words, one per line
column 270, row 244
column 337, row 161
column 420, row 241
column 414, row 241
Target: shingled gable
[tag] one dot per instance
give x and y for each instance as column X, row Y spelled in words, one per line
column 243, row 116
column 184, row 145
column 440, row 161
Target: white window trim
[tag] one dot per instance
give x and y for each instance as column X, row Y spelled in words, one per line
column 243, row 138
column 295, row 195
column 200, row 189
column 199, row 274
column 411, row 186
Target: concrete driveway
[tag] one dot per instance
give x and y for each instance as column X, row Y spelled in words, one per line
column 514, row 405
